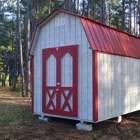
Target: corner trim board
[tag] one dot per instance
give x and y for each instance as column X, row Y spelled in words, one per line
column 32, row 79
column 95, row 85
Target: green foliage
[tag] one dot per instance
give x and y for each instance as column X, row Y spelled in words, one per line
column 95, row 136
column 16, row 89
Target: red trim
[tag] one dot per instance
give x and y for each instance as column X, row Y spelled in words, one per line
column 95, row 85
column 32, row 82
column 58, row 109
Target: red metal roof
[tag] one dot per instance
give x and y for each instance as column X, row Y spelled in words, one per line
column 101, row 37
column 106, row 39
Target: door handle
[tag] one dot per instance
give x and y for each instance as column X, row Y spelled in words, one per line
column 58, row 83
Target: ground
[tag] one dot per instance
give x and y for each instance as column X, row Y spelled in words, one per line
column 18, row 123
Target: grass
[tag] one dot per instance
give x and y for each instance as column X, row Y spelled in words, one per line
column 14, row 109
column 18, row 122
column 15, row 114
column 18, row 88
column 95, row 136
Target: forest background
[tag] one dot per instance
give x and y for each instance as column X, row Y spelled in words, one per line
column 18, row 19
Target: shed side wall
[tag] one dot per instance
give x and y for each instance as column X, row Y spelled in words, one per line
column 69, row 34
column 118, row 85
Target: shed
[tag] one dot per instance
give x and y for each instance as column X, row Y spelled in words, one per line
column 83, row 70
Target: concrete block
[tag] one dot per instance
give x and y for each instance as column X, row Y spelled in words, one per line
column 43, row 118
column 84, row 126
column 119, row 119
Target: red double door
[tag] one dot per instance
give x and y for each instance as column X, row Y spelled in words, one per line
column 60, row 82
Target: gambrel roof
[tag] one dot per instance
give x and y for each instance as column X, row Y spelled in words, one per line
column 101, row 37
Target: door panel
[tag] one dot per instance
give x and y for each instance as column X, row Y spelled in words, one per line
column 60, row 78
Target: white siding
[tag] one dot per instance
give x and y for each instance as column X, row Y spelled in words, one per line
column 70, row 33
column 119, row 85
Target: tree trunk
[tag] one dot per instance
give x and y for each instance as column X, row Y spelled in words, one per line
column 69, row 5
column 134, row 20
column 123, row 14
column 49, row 11
column 15, row 59
column 20, row 47
column 102, row 11
column 78, row 6
column 88, row 9
column 139, row 16
column 27, row 49
column 83, row 8
column 130, row 11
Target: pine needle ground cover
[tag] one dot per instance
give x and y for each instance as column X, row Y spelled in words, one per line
column 18, row 123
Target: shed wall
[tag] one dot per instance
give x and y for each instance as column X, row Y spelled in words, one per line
column 70, row 33
column 119, row 85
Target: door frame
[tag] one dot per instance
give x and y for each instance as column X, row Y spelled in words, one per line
column 75, row 82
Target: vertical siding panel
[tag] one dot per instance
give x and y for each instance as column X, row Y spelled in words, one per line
column 126, row 84
column 47, row 40
column 84, row 77
column 67, row 29
column 136, row 83
column 138, row 99
column 130, row 82
column 89, row 74
column 134, row 92
column 132, row 97
column 52, row 33
column 119, row 106
column 105, row 83
column 129, row 73
column 103, row 86
column 109, row 81
column 39, row 67
column 113, row 87
column 118, row 85
column 122, row 90
column 62, row 31
column 79, row 41
column 100, row 88
column 110, row 78
column 115, row 90
column 72, row 30
column 56, row 33
column 106, row 110
column 133, row 89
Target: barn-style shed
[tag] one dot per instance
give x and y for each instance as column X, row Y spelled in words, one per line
column 83, row 70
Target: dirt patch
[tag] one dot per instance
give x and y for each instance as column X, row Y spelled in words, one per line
column 18, row 123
